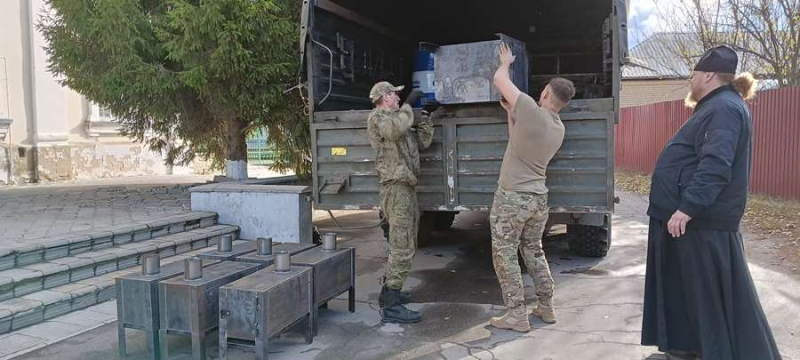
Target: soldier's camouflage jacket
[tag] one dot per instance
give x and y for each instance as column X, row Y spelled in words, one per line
column 397, row 144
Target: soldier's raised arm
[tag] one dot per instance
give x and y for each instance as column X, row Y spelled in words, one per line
column 392, row 125
column 425, row 127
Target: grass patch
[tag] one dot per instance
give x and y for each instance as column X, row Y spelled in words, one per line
column 632, row 182
column 774, row 216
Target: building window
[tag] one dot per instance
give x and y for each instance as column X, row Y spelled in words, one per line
column 101, row 122
column 100, row 114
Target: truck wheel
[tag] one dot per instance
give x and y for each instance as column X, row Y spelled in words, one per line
column 384, row 226
column 316, row 238
column 588, row 241
column 427, row 223
column 444, row 220
column 427, row 220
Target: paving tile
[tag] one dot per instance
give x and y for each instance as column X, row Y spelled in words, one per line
column 55, row 252
column 60, row 230
column 177, row 228
column 78, row 237
column 18, row 305
column 80, row 247
column 77, row 289
column 48, row 297
column 82, row 272
column 106, row 291
column 141, row 247
column 99, row 256
column 5, row 321
column 6, row 288
column 27, row 286
column 108, row 308
column 27, row 318
column 47, row 268
column 8, row 261
column 30, row 256
column 13, row 343
column 84, row 300
column 102, row 240
column 51, row 331
column 94, row 280
column 85, row 318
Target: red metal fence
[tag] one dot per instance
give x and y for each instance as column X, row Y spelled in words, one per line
column 644, row 130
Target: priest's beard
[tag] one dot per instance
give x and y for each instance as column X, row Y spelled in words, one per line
column 691, row 100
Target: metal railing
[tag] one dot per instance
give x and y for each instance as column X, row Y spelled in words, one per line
column 259, row 151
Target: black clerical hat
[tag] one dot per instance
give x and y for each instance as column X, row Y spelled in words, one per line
column 719, row 59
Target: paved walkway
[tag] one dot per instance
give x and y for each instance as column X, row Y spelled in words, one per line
column 599, row 304
column 32, row 213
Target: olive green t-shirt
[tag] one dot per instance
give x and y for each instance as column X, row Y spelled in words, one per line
column 534, row 140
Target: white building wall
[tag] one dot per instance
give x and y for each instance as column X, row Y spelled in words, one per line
column 54, row 135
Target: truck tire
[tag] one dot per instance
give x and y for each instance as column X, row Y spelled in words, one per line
column 588, row 241
column 384, row 226
column 427, row 223
column 316, row 238
column 444, row 220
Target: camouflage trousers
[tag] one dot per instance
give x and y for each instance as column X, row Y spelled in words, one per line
column 518, row 220
column 399, row 204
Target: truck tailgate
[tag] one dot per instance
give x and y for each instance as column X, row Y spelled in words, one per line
column 461, row 168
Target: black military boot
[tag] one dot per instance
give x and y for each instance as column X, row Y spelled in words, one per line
column 394, row 312
column 405, row 297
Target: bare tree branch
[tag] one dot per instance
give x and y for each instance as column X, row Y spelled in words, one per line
column 766, row 33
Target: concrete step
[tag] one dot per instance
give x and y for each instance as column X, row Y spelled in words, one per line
column 28, row 279
column 47, row 304
column 37, row 251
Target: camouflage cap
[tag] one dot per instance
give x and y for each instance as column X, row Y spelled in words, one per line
column 383, row 88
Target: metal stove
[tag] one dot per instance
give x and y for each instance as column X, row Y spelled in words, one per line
column 190, row 304
column 226, row 250
column 137, row 301
column 265, row 253
column 263, row 305
column 334, row 272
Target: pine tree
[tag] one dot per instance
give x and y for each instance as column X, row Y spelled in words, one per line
column 188, row 77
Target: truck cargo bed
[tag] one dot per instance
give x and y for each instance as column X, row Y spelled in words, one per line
column 351, row 44
column 461, row 167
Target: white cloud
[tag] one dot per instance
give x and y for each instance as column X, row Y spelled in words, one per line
column 646, row 17
column 664, row 15
column 638, row 7
column 639, row 14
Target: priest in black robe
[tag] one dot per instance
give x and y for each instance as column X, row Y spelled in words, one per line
column 700, row 301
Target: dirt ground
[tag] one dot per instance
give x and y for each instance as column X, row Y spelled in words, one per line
column 771, row 225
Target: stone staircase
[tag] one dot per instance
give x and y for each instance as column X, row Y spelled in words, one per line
column 72, row 272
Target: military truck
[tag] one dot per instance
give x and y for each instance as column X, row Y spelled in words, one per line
column 348, row 45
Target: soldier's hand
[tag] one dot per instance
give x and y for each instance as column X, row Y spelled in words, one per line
column 413, row 97
column 430, row 106
column 505, row 55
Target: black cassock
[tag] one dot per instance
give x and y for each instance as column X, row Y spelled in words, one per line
column 699, row 295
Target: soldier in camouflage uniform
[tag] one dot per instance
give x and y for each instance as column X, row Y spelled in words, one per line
column 397, row 141
column 519, row 212
column 518, row 220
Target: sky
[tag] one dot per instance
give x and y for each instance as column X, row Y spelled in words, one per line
column 644, row 19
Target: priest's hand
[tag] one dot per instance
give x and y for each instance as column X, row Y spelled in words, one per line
column 677, row 224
